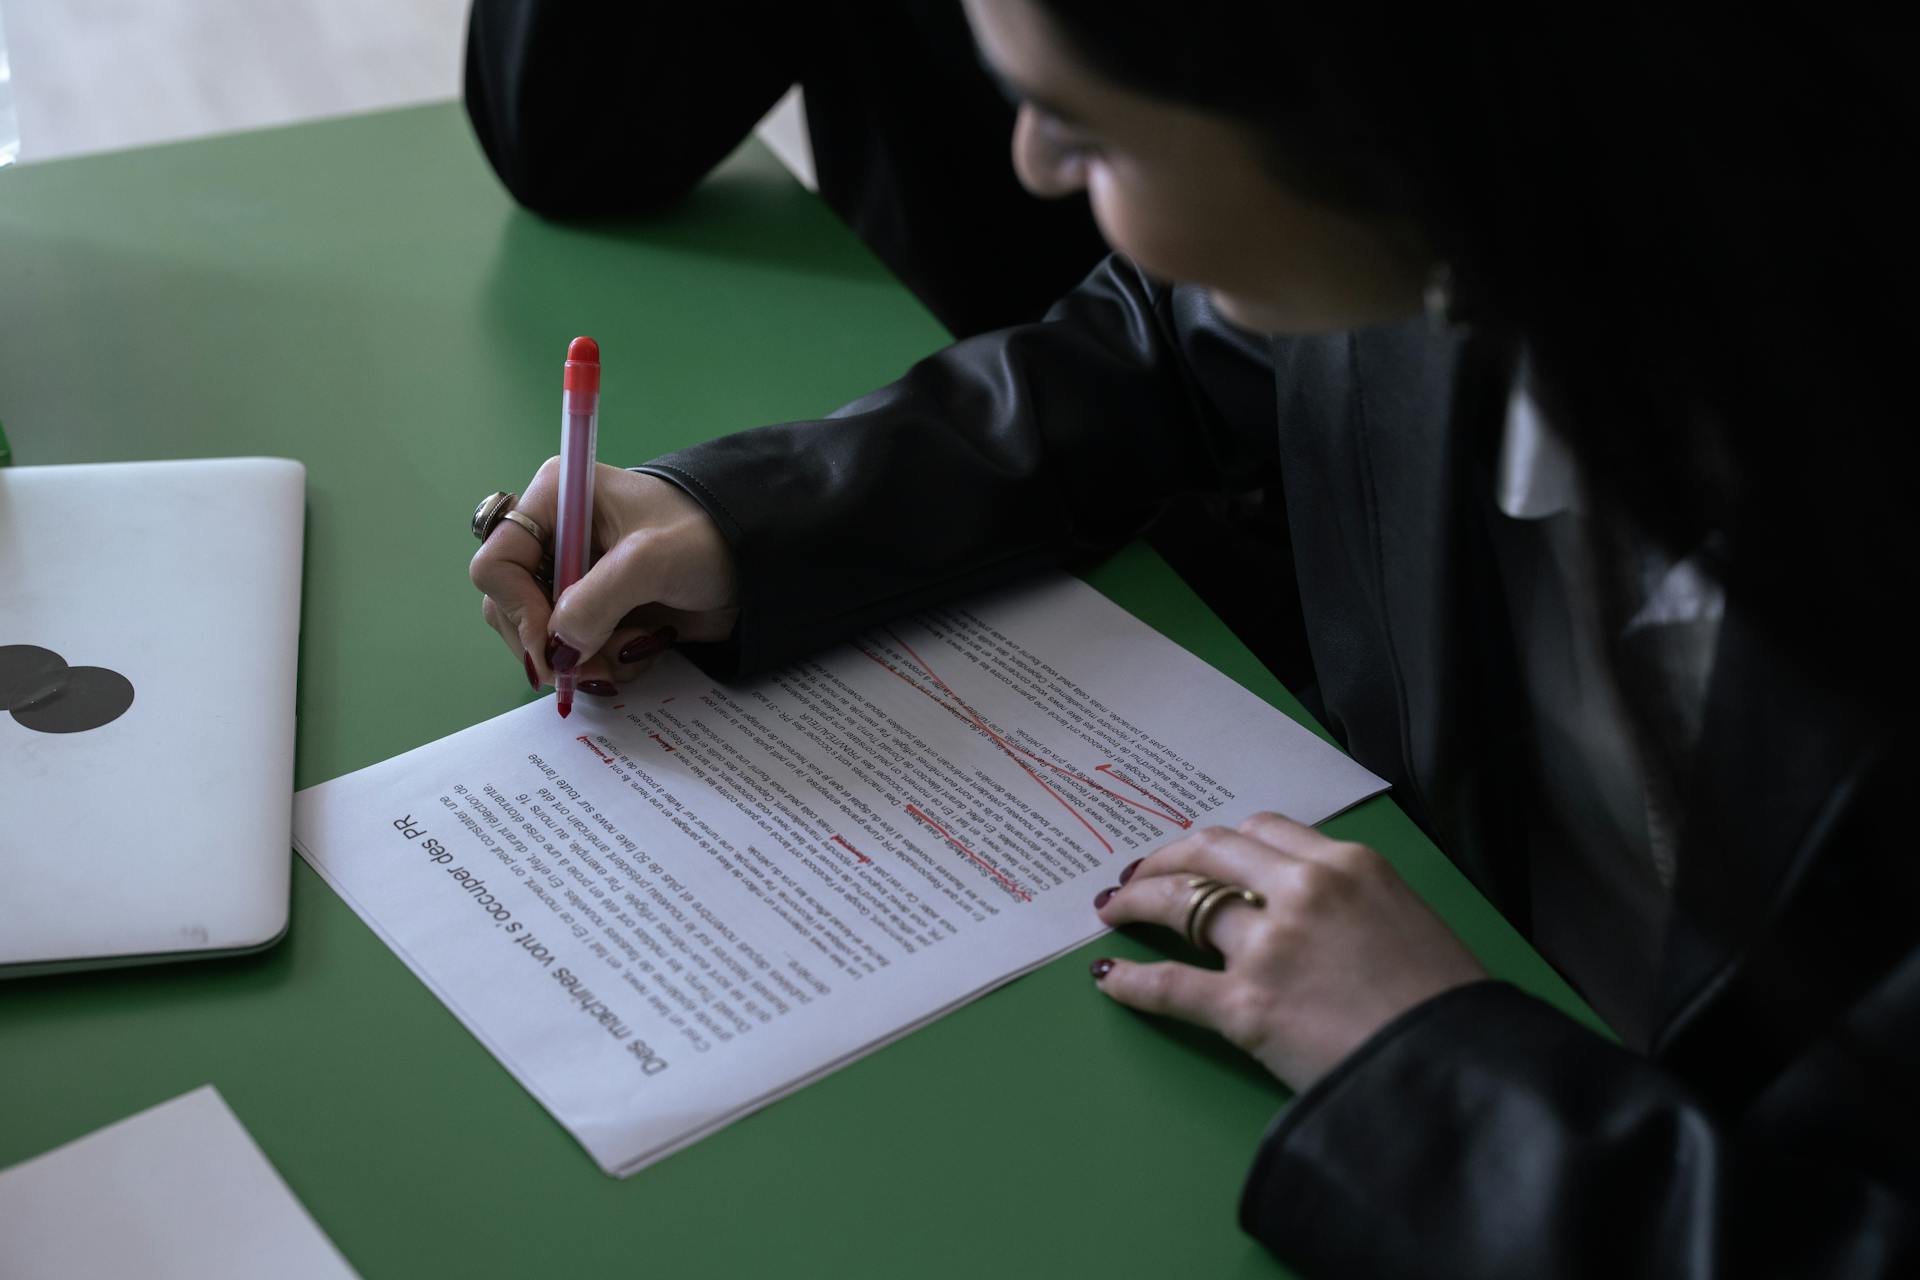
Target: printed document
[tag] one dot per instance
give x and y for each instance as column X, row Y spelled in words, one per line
column 688, row 900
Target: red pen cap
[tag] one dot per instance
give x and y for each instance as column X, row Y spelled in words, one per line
column 583, row 365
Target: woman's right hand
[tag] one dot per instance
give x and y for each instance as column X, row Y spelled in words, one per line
column 662, row 572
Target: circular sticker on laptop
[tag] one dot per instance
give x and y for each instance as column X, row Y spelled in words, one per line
column 44, row 694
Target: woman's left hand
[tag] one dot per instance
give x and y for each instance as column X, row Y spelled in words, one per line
column 1340, row 947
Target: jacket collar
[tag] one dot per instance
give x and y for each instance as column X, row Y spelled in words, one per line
column 1778, row 754
column 1426, row 425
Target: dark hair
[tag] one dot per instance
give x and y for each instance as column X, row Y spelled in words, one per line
column 1704, row 233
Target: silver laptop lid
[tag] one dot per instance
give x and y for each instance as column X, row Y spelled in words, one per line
column 149, row 631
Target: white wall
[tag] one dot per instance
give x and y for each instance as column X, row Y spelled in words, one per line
column 99, row 75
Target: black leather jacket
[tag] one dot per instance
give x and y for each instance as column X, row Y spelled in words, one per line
column 1772, row 1127
column 586, row 108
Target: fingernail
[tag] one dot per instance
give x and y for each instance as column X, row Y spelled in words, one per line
column 641, row 647
column 561, row 656
column 1101, row 968
column 533, row 677
column 1126, row 872
column 1103, row 897
column 598, row 688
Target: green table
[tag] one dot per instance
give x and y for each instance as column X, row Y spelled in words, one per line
column 361, row 295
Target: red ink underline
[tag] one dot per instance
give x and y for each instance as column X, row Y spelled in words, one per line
column 1164, row 811
column 1168, row 812
column 842, row 840
column 990, row 869
column 968, row 713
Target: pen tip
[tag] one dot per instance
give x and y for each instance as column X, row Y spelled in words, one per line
column 566, row 707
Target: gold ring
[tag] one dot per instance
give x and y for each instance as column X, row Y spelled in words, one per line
column 488, row 513
column 528, row 523
column 1202, row 912
column 1202, row 886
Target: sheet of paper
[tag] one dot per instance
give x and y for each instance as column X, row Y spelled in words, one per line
column 179, row 1190
column 684, row 902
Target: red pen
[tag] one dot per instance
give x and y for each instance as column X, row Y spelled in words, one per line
column 573, row 532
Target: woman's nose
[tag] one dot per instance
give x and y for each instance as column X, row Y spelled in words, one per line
column 1042, row 169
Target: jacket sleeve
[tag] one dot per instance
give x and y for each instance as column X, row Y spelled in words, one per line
column 998, row 456
column 611, row 109
column 1484, row 1134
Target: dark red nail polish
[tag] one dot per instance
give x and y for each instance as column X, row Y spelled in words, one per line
column 561, row 656
column 1103, row 897
column 598, row 688
column 533, row 677
column 1101, row 968
column 642, row 647
column 1126, row 872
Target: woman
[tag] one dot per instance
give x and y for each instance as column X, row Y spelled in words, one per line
column 1592, row 562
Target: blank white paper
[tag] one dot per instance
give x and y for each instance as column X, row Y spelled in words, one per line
column 177, row 1191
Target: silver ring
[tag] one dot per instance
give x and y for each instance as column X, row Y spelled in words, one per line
column 528, row 523
column 488, row 513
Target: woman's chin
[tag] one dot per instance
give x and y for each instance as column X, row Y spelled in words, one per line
column 1260, row 317
column 1295, row 320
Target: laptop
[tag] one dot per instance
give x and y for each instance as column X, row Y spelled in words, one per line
column 149, row 634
